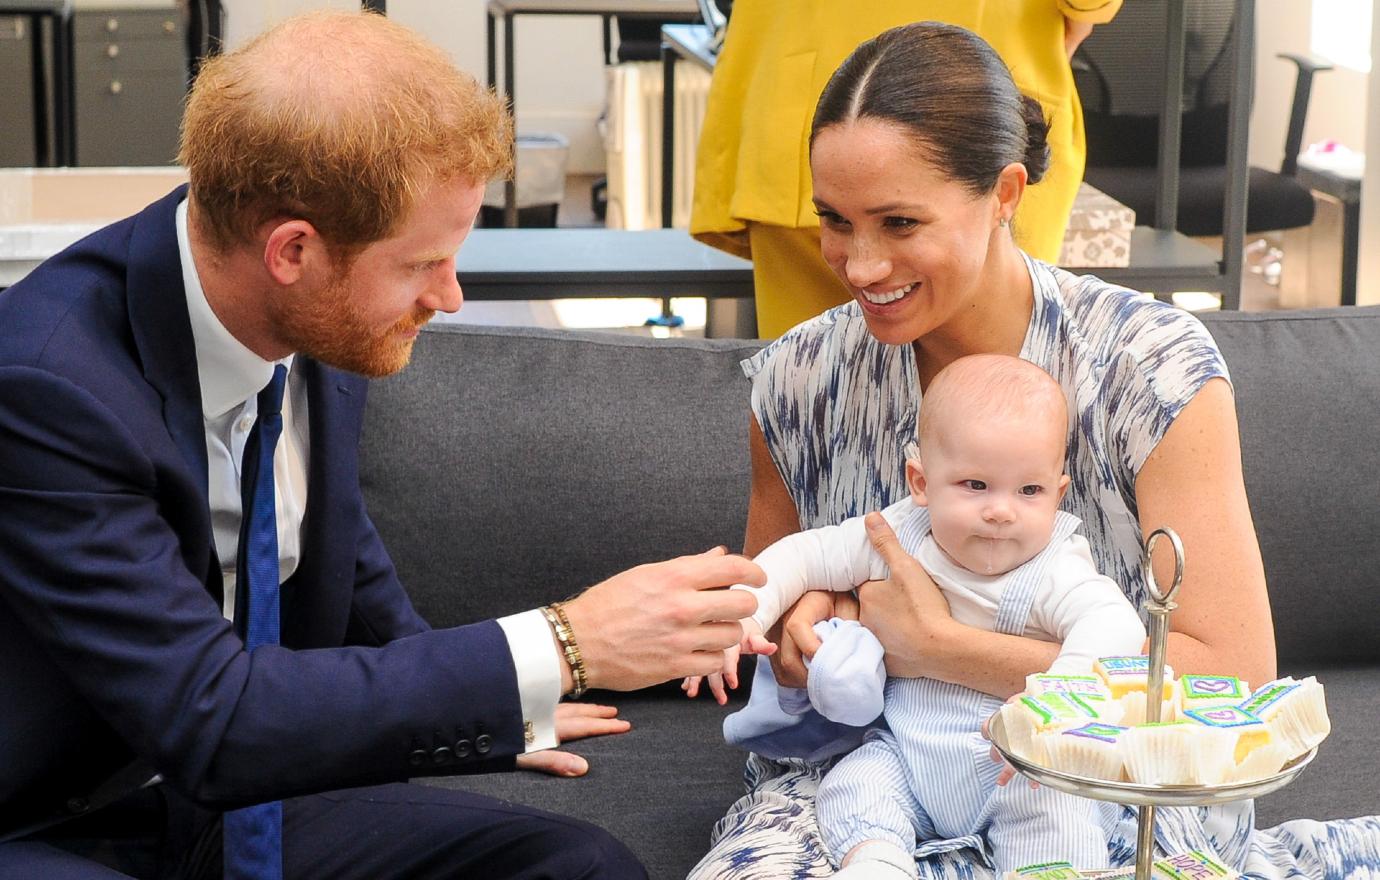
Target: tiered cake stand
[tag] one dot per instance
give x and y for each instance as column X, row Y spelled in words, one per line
column 1148, row 797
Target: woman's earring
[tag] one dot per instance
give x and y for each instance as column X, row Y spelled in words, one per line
column 1003, row 222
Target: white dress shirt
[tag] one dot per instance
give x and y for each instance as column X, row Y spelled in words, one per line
column 231, row 376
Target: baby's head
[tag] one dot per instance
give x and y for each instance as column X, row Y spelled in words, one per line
column 993, row 431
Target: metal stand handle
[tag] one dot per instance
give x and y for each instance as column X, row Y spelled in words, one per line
column 1158, row 605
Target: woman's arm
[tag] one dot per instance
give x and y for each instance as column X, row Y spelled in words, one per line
column 1192, row 483
column 772, row 516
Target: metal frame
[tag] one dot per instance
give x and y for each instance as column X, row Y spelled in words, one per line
column 508, row 10
column 57, row 114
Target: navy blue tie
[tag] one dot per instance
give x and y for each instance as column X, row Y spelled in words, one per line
column 254, row 835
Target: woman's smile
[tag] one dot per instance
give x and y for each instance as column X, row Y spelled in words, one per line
column 891, row 296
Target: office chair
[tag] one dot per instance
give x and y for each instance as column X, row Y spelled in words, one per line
column 1118, row 71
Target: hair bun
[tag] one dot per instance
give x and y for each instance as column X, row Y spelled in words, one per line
column 1037, row 140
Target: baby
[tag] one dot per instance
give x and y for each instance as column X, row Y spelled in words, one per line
column 983, row 520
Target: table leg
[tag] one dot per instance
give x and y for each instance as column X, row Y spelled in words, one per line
column 44, row 154
column 510, row 209
column 491, row 41
column 668, row 133
column 64, row 92
column 1351, row 249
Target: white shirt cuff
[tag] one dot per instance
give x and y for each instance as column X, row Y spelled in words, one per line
column 538, row 666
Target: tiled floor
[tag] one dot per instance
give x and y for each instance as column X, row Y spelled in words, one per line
column 629, row 315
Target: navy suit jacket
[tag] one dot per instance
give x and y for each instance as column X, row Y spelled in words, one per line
column 112, row 642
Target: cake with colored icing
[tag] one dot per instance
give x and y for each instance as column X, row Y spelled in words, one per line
column 1030, row 716
column 1254, row 754
column 1195, row 865
column 1092, row 750
column 1294, row 711
column 1208, row 692
column 1083, row 685
column 1177, row 753
column 1045, row 871
column 1126, row 679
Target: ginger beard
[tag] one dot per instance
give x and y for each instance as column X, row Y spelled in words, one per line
column 330, row 326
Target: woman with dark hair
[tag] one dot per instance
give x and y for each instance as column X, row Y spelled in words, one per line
column 752, row 175
column 920, row 150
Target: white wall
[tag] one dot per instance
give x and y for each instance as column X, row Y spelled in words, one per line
column 1335, row 111
column 560, row 76
column 1368, row 280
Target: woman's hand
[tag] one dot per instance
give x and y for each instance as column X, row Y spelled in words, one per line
column 1075, row 32
column 574, row 721
column 907, row 612
column 795, row 636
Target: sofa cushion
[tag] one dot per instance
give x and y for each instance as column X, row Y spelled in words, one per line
column 1308, row 398
column 658, row 788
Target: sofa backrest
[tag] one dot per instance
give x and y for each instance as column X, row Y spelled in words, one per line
column 509, row 467
column 1308, row 400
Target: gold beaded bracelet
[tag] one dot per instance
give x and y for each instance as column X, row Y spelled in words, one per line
column 560, row 624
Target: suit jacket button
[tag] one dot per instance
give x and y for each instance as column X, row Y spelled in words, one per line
column 463, row 748
column 78, row 805
column 417, row 757
column 442, row 755
column 483, row 743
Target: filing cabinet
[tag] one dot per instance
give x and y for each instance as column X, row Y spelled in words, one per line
column 129, row 79
column 17, row 147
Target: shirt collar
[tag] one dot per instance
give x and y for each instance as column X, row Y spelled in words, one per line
column 229, row 373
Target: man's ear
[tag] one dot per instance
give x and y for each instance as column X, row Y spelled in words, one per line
column 915, row 479
column 1010, row 187
column 294, row 250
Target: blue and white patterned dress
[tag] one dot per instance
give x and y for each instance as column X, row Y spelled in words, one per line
column 838, row 408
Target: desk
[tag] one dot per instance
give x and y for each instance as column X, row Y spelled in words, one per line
column 508, row 264
column 508, row 10
column 520, row 264
column 541, row 264
column 59, row 109
column 1346, row 190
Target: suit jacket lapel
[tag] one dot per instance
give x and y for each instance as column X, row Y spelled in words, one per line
column 328, row 535
column 163, row 337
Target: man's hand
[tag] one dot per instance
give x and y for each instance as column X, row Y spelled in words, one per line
column 574, row 721
column 754, row 642
column 906, row 612
column 662, row 621
column 795, row 635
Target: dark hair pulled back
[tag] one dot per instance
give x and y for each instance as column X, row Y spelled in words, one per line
column 952, row 91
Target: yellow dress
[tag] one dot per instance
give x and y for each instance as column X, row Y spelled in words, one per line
column 752, row 171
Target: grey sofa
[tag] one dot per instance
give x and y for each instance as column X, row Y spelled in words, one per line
column 510, row 467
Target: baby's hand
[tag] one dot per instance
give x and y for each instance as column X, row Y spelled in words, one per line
column 753, row 642
column 1007, row 772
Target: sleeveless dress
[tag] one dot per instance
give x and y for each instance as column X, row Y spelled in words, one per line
column 838, row 409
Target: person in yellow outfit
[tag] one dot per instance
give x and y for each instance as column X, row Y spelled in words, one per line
column 752, row 172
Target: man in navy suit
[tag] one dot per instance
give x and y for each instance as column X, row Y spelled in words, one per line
column 336, row 165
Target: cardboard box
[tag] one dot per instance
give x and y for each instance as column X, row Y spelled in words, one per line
column 43, row 210
column 80, row 195
column 1099, row 231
